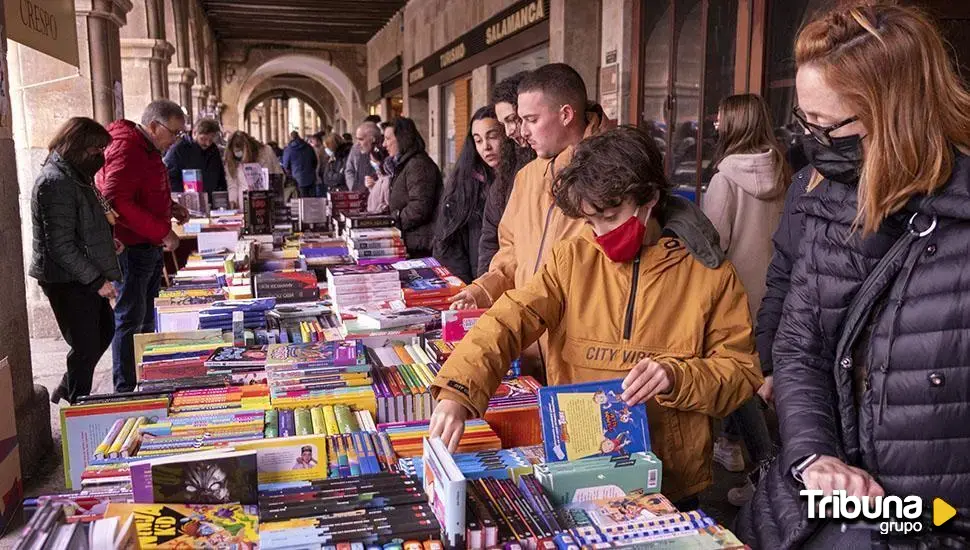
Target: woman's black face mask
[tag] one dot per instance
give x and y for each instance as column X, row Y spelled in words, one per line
column 91, row 164
column 841, row 161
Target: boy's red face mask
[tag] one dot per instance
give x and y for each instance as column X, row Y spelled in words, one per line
column 623, row 243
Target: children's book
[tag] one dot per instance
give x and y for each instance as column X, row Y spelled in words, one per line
column 346, row 353
column 169, row 526
column 395, row 319
column 446, row 488
column 590, row 419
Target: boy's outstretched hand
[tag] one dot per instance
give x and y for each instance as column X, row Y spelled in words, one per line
column 645, row 381
column 448, row 423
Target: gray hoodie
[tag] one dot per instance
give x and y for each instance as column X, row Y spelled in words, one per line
column 745, row 202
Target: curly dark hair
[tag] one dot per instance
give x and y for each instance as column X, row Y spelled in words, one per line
column 507, row 91
column 610, row 168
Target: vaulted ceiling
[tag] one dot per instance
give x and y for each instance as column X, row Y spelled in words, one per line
column 340, row 21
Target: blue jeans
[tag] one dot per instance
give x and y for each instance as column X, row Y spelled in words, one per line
column 134, row 309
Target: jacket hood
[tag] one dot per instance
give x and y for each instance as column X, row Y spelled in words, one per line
column 754, row 173
column 686, row 220
column 298, row 144
column 126, row 131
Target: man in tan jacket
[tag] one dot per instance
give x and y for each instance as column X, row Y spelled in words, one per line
column 620, row 300
column 553, row 108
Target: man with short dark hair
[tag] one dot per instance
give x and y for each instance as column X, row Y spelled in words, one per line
column 135, row 182
column 198, row 153
column 553, row 105
column 300, row 163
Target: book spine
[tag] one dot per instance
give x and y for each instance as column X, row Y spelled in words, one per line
column 287, row 423
column 115, row 449
column 105, row 445
column 345, row 419
column 134, row 438
column 303, row 421
column 319, row 424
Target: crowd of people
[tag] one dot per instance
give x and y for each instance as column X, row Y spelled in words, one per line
column 834, row 296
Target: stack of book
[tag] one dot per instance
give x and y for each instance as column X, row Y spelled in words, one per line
column 244, row 365
column 174, row 356
column 49, row 528
column 287, row 287
column 185, row 297
column 513, row 412
column 575, row 480
column 198, row 432
column 312, row 213
column 506, row 511
column 353, row 285
column 322, row 373
column 372, row 510
column 402, row 379
column 324, row 250
column 220, row 398
column 304, row 323
column 406, row 437
column 219, row 315
column 376, row 245
column 500, row 464
column 348, row 202
column 429, row 285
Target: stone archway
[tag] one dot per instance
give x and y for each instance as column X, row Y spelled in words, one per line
column 343, row 89
column 314, row 104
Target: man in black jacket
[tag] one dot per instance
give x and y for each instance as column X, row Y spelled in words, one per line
column 199, row 153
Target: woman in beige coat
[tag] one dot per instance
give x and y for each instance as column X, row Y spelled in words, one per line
column 745, row 200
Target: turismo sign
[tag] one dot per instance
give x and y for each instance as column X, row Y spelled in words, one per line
column 504, row 25
column 47, row 26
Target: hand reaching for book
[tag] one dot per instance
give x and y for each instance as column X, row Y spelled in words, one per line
column 646, row 380
column 448, row 423
column 463, row 300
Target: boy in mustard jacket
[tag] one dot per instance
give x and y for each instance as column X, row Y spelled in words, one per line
column 621, row 300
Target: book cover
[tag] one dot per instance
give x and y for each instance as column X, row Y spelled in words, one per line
column 337, row 354
column 231, row 356
column 176, row 526
column 631, row 508
column 196, row 478
column 289, row 459
column 445, row 487
column 455, row 323
column 387, row 319
column 590, row 419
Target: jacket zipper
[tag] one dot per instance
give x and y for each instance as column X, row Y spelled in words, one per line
column 542, row 242
column 545, row 228
column 628, row 325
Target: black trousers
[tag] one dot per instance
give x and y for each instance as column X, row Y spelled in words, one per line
column 88, row 324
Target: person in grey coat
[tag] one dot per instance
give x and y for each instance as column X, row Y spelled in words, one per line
column 359, row 165
column 74, row 253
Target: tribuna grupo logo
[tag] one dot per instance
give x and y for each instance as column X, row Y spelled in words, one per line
column 896, row 515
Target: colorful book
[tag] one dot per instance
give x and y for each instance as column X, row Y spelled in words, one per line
column 568, row 433
column 216, row 477
column 178, row 526
column 446, row 489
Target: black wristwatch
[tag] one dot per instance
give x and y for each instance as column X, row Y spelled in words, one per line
column 802, row 465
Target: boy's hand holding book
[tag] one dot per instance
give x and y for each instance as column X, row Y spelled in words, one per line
column 448, row 423
column 463, row 300
column 646, row 380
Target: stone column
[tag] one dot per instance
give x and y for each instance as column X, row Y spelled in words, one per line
column 101, row 20
column 145, row 64
column 181, row 77
column 481, row 85
column 262, row 132
column 283, row 124
column 432, row 128
column 574, row 25
column 301, row 118
column 272, row 119
column 200, row 97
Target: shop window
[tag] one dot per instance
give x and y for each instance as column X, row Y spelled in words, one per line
column 686, row 66
column 526, row 62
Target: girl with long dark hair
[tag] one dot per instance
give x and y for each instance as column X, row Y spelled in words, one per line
column 459, row 228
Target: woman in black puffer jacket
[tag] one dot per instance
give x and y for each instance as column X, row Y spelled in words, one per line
column 872, row 356
column 75, row 256
column 415, row 187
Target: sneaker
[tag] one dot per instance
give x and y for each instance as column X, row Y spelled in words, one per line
column 728, row 454
column 739, row 496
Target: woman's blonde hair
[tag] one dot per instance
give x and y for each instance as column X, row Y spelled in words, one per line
column 248, row 145
column 891, row 66
column 746, row 128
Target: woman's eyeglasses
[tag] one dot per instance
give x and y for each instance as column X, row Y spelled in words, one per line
column 822, row 134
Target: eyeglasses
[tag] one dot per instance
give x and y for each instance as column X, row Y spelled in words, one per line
column 822, row 134
column 179, row 134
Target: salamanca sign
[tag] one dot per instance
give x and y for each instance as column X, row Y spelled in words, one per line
column 524, row 17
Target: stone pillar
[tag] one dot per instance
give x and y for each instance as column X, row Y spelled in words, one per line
column 145, row 64
column 617, row 48
column 301, row 118
column 574, row 25
column 263, row 133
column 283, row 123
column 181, row 77
column 200, row 97
column 272, row 119
column 434, row 125
column 101, row 20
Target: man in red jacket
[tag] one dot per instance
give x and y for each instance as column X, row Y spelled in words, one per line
column 135, row 181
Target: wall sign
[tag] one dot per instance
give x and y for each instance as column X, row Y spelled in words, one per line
column 44, row 25
column 504, row 25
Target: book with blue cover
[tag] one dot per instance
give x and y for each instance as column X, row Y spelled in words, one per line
column 590, row 419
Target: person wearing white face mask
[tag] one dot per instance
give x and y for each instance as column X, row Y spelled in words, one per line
column 623, row 299
column 243, row 149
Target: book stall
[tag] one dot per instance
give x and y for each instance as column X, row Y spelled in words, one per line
column 284, row 403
